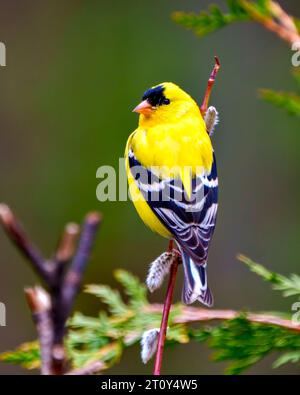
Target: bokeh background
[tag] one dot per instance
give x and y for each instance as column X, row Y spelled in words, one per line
column 75, row 69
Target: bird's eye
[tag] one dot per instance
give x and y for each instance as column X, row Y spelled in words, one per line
column 155, row 96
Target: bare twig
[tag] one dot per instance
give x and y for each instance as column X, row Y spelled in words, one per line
column 165, row 314
column 174, row 266
column 51, row 311
column 67, row 243
column 165, row 317
column 210, row 84
column 194, row 314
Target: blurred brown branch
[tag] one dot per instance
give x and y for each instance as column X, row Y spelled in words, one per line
column 39, row 302
column 62, row 276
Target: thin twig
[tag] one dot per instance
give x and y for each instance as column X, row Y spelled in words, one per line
column 67, row 243
column 210, row 84
column 165, row 317
column 194, row 314
column 174, row 266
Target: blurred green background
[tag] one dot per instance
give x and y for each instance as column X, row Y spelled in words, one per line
column 75, row 69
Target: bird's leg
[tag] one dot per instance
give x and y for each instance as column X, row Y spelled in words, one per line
column 210, row 83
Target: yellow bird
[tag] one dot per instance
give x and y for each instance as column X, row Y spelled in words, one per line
column 172, row 178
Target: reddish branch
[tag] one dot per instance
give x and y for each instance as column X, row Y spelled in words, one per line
column 279, row 22
column 196, row 314
column 165, row 317
column 210, row 84
column 62, row 276
column 174, row 267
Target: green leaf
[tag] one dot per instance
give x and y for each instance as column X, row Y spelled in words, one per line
column 289, row 286
column 239, row 342
column 26, row 355
column 297, row 23
column 208, row 22
column 133, row 287
column 109, row 354
column 243, row 343
column 289, row 102
column 260, row 270
column 260, row 6
column 178, row 334
column 108, row 296
column 82, row 321
column 235, row 8
column 288, row 357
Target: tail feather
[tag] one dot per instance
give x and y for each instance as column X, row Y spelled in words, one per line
column 195, row 282
column 207, row 298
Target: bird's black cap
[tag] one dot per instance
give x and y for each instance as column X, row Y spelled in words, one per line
column 155, row 96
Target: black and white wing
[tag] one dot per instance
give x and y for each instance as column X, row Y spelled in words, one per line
column 190, row 220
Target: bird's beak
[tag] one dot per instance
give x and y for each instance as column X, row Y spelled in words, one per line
column 144, row 108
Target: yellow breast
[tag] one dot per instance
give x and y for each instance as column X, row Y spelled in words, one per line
column 179, row 149
column 184, row 144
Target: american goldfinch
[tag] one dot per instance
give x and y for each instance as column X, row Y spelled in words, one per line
column 172, row 176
